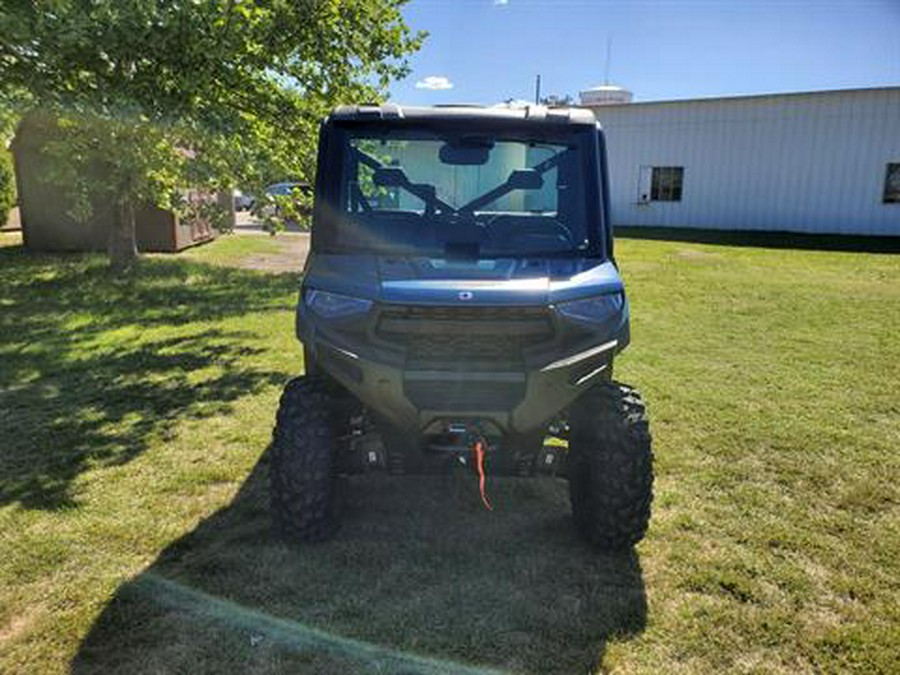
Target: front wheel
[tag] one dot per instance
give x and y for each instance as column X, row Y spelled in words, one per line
column 305, row 505
column 610, row 466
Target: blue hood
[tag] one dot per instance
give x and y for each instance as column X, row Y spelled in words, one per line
column 439, row 281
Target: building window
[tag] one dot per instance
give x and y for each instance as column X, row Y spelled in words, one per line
column 665, row 184
column 892, row 184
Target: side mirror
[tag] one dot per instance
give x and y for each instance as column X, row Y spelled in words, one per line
column 525, row 179
column 389, row 176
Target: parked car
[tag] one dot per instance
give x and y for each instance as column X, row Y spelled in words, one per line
column 279, row 191
column 243, row 201
column 286, row 188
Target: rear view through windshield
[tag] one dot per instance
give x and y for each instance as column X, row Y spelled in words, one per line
column 474, row 195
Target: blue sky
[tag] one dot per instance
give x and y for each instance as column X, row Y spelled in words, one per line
column 485, row 51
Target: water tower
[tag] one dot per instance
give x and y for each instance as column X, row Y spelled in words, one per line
column 605, row 94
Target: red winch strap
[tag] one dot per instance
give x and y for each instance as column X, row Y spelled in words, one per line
column 478, row 451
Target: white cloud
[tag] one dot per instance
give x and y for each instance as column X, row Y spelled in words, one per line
column 501, row 2
column 435, row 83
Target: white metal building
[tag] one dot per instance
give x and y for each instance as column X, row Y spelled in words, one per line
column 818, row 162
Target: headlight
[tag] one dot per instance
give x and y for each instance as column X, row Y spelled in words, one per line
column 334, row 305
column 595, row 310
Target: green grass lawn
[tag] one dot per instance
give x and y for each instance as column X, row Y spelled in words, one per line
column 230, row 250
column 134, row 537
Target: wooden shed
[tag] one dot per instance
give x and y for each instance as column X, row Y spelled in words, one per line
column 44, row 207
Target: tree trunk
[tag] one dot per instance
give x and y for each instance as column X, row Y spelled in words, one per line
column 122, row 246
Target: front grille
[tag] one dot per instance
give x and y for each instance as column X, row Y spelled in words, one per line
column 488, row 335
column 471, row 396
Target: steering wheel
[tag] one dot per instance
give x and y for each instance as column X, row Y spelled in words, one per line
column 509, row 228
column 462, row 226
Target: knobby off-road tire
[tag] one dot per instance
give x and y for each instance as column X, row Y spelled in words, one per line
column 305, row 503
column 610, row 466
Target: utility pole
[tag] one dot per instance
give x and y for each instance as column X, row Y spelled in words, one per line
column 608, row 58
column 537, row 90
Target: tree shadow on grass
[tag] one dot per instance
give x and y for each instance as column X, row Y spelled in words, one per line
column 420, row 580
column 93, row 368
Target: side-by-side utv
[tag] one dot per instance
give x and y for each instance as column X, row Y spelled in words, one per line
column 461, row 305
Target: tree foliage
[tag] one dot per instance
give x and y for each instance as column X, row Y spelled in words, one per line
column 7, row 185
column 156, row 95
column 7, row 173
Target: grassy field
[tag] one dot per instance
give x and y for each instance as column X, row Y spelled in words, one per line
column 134, row 420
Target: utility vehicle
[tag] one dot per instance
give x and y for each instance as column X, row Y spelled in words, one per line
column 460, row 307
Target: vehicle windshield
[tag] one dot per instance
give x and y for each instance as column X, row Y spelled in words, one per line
column 467, row 194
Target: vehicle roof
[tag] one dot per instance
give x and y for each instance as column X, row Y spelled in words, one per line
column 537, row 114
column 286, row 182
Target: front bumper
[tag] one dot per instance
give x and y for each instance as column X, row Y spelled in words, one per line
column 512, row 401
column 419, row 395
